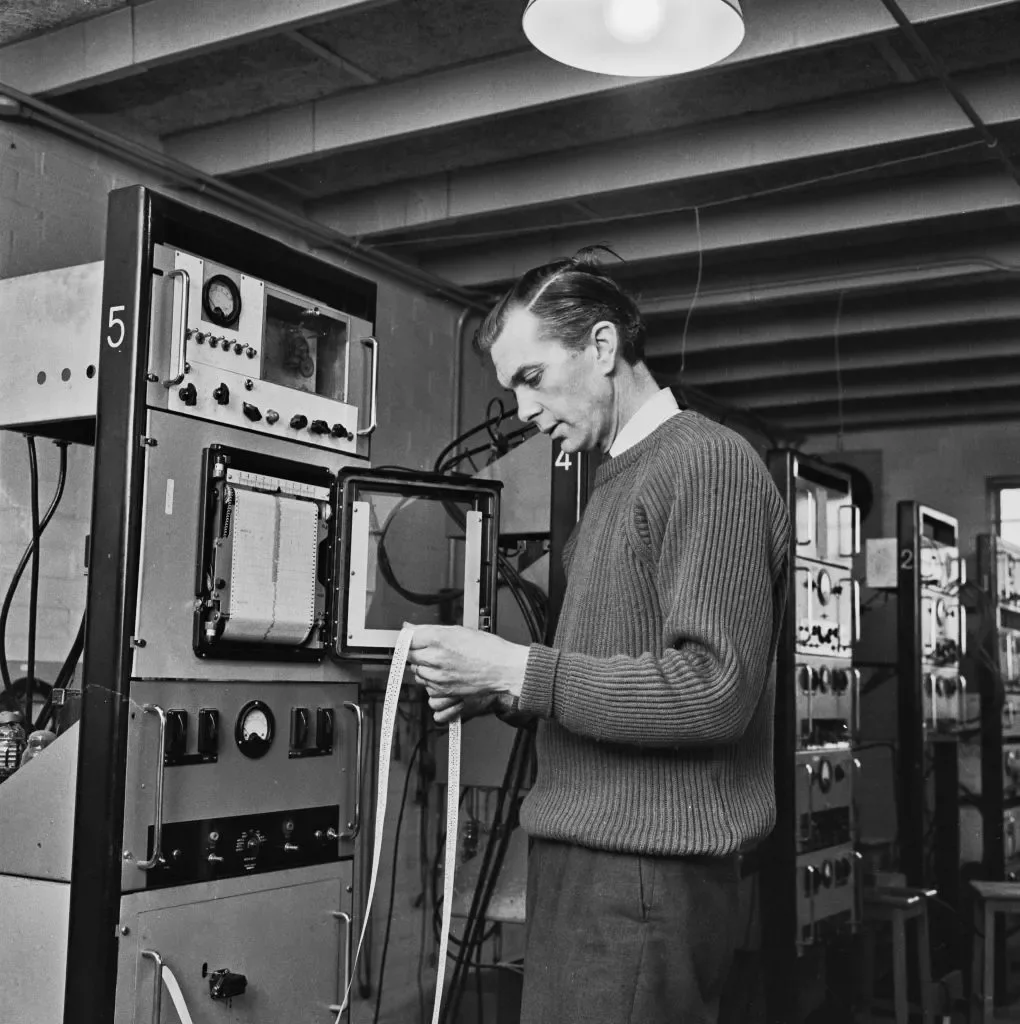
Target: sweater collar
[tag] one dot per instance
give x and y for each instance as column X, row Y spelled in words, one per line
column 612, row 467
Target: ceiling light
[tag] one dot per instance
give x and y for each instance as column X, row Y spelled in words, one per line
column 637, row 38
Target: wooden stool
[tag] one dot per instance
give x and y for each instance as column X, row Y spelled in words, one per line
column 990, row 899
column 898, row 906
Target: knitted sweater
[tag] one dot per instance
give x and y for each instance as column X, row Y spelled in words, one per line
column 656, row 702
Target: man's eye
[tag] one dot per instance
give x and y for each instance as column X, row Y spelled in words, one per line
column 534, row 380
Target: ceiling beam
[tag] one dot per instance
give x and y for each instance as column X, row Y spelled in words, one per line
column 933, row 312
column 506, row 85
column 324, row 53
column 881, row 418
column 769, row 287
column 921, row 386
column 764, row 368
column 895, row 203
column 840, row 127
column 137, row 37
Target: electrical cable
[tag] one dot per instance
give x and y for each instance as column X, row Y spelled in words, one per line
column 5, row 673
column 33, row 581
column 393, row 875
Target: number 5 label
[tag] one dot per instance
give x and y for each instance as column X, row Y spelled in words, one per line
column 116, row 322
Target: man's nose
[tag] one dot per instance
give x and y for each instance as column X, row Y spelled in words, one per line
column 527, row 408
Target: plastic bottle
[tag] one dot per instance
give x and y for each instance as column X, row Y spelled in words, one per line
column 38, row 740
column 12, row 743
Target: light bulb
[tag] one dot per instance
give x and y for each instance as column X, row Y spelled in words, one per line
column 634, row 21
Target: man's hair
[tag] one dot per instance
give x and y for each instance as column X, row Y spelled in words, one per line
column 569, row 297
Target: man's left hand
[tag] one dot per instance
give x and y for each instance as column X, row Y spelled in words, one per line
column 454, row 661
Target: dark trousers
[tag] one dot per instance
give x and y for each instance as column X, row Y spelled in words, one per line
column 620, row 939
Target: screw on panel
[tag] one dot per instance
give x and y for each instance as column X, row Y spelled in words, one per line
column 147, row 442
column 137, row 642
column 124, row 930
column 152, row 378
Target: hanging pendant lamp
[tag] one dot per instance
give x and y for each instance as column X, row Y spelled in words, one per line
column 639, row 38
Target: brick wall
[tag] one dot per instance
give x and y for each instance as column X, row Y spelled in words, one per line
column 53, row 197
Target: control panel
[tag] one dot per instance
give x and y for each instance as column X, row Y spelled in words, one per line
column 943, row 634
column 236, row 350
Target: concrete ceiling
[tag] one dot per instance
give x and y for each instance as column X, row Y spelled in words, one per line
column 856, row 239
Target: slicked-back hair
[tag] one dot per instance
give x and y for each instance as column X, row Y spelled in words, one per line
column 569, row 297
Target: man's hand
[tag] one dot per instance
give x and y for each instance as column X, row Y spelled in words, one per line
column 456, row 664
column 447, row 709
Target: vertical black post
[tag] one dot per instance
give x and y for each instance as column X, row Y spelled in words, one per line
column 779, row 861
column 911, row 692
column 90, row 990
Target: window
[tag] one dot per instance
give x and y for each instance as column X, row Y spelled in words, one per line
column 1005, row 495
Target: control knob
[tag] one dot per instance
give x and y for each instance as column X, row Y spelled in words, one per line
column 250, row 352
column 339, row 430
column 238, row 348
column 840, row 680
column 271, row 416
column 225, row 344
column 298, row 422
column 221, row 393
column 804, row 681
column 188, row 394
column 252, row 412
column 319, row 427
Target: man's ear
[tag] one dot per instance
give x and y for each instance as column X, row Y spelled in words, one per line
column 606, row 339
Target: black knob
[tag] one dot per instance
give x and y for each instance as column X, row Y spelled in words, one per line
column 250, row 352
column 840, row 680
column 339, row 430
column 238, row 347
column 298, row 422
column 176, row 734
column 271, row 416
column 188, row 394
column 225, row 344
column 221, row 393
column 252, row 412
column 199, row 337
column 804, row 678
column 319, row 427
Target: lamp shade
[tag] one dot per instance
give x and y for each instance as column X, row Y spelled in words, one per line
column 638, row 38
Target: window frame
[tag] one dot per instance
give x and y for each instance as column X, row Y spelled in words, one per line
column 996, row 485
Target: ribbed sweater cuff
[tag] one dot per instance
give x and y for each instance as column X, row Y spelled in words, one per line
column 539, row 681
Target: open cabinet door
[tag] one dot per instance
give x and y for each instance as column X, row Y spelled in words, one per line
column 411, row 548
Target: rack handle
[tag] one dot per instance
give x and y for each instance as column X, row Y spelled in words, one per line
column 354, row 826
column 157, row 983
column 182, row 346
column 342, row 915
column 156, row 860
column 373, row 416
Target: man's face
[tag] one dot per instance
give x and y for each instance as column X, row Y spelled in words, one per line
column 565, row 392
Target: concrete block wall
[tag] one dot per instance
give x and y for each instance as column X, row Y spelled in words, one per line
column 53, row 201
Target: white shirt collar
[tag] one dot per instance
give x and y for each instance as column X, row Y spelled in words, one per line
column 659, row 408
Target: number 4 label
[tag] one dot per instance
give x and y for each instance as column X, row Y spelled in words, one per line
column 563, row 461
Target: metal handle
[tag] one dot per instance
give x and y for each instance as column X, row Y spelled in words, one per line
column 932, row 697
column 342, row 915
column 962, row 698
column 855, row 674
column 354, row 827
column 373, row 418
column 157, row 983
column 962, row 615
column 856, row 587
column 182, row 347
column 854, row 547
column 157, row 824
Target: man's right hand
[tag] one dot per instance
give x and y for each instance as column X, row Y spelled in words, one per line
column 447, row 709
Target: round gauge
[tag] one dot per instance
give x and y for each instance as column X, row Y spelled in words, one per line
column 254, row 729
column 221, row 301
column 824, row 587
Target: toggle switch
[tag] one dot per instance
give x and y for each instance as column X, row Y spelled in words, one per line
column 208, row 732
column 299, row 718
column 252, row 412
column 221, row 394
column 188, row 394
column 319, row 427
column 176, row 735
column 224, row 984
column 325, row 728
column 298, row 422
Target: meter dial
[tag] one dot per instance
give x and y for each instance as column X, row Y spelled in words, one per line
column 254, row 729
column 221, row 301
column 824, row 587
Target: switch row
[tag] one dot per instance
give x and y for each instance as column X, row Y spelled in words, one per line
column 208, row 739
column 302, row 742
column 224, row 343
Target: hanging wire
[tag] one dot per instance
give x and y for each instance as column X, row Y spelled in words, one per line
column 697, row 289
column 839, row 371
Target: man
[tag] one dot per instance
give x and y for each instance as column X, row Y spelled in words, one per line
column 654, row 704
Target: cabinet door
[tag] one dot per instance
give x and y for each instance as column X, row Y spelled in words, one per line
column 287, row 941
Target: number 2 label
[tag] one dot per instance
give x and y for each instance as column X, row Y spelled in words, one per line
column 115, row 321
